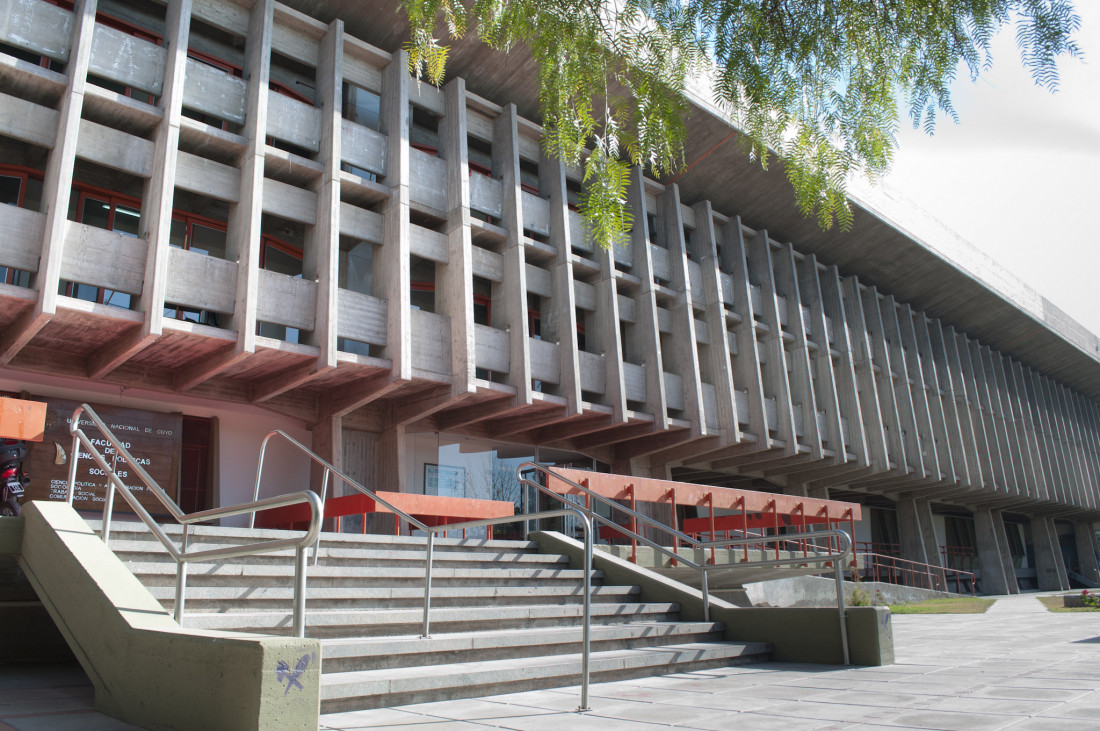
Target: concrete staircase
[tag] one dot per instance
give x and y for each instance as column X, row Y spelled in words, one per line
column 504, row 618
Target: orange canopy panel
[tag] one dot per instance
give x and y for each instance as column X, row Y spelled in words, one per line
column 21, row 419
column 620, row 487
column 429, row 509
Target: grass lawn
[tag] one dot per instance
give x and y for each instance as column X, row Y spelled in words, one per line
column 961, row 605
column 1054, row 604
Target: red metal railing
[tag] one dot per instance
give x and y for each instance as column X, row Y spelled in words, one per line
column 887, row 549
column 894, row 570
column 960, row 558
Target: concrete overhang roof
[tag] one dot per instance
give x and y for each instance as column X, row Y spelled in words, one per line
column 891, row 245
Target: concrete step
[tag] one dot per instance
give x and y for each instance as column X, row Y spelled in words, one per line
column 131, row 530
column 235, row 574
column 345, row 691
column 222, row 599
column 388, row 622
column 131, row 550
column 343, row 655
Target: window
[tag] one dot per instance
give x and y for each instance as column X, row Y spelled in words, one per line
column 534, row 316
column 204, row 236
column 422, row 274
column 19, row 186
column 283, row 258
column 580, row 329
column 423, row 130
column 113, row 212
column 362, row 106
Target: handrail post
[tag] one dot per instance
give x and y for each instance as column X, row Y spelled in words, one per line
column 181, row 581
column 841, row 612
column 586, row 636
column 74, row 457
column 428, row 584
column 299, row 591
column 706, row 592
column 324, row 497
column 526, row 507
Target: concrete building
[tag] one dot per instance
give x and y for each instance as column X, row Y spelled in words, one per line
column 229, row 217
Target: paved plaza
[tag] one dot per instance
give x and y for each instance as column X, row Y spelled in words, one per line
column 1016, row 667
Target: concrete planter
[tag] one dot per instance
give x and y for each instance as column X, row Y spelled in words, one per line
column 1072, row 601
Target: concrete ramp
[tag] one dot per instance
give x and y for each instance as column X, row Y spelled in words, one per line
column 145, row 668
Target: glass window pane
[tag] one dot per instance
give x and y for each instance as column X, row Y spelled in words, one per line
column 363, row 106
column 9, row 189
column 276, row 260
column 86, row 292
column 32, row 199
column 127, row 220
column 206, row 240
column 95, row 213
column 116, row 299
column 359, row 262
column 178, row 235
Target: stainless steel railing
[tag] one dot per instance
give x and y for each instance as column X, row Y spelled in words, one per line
column 431, row 531
column 181, row 555
column 837, row 558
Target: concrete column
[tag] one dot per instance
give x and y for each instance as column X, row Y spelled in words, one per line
column 910, row 535
column 1087, row 550
column 996, row 577
column 1006, row 554
column 1050, row 573
column 328, row 443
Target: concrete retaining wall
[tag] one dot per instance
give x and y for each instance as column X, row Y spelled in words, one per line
column 145, row 668
column 796, row 634
column 815, row 591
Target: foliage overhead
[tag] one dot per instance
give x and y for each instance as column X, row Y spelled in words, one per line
column 817, row 83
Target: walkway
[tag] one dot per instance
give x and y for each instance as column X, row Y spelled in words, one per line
column 1016, row 667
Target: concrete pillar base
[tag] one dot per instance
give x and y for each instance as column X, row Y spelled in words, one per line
column 1049, row 570
column 917, row 536
column 997, row 578
column 1087, row 550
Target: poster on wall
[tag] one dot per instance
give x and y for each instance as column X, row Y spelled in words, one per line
column 153, row 438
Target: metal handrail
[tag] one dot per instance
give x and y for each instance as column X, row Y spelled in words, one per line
column 836, row 557
column 586, row 631
column 890, row 565
column 329, row 470
column 181, row 555
column 586, row 627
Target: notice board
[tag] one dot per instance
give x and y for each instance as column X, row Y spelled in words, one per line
column 154, row 438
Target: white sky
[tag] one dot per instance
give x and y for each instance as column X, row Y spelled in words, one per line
column 1019, row 176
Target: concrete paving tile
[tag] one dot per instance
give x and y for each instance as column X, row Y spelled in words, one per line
column 1034, row 694
column 573, row 722
column 789, row 692
column 548, row 700
column 659, row 713
column 746, row 701
column 1075, row 709
column 58, row 704
column 1052, row 724
column 876, row 727
column 474, row 709
column 82, row 721
column 948, row 721
column 759, row 722
column 376, row 718
column 822, row 711
column 972, row 704
column 872, row 698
